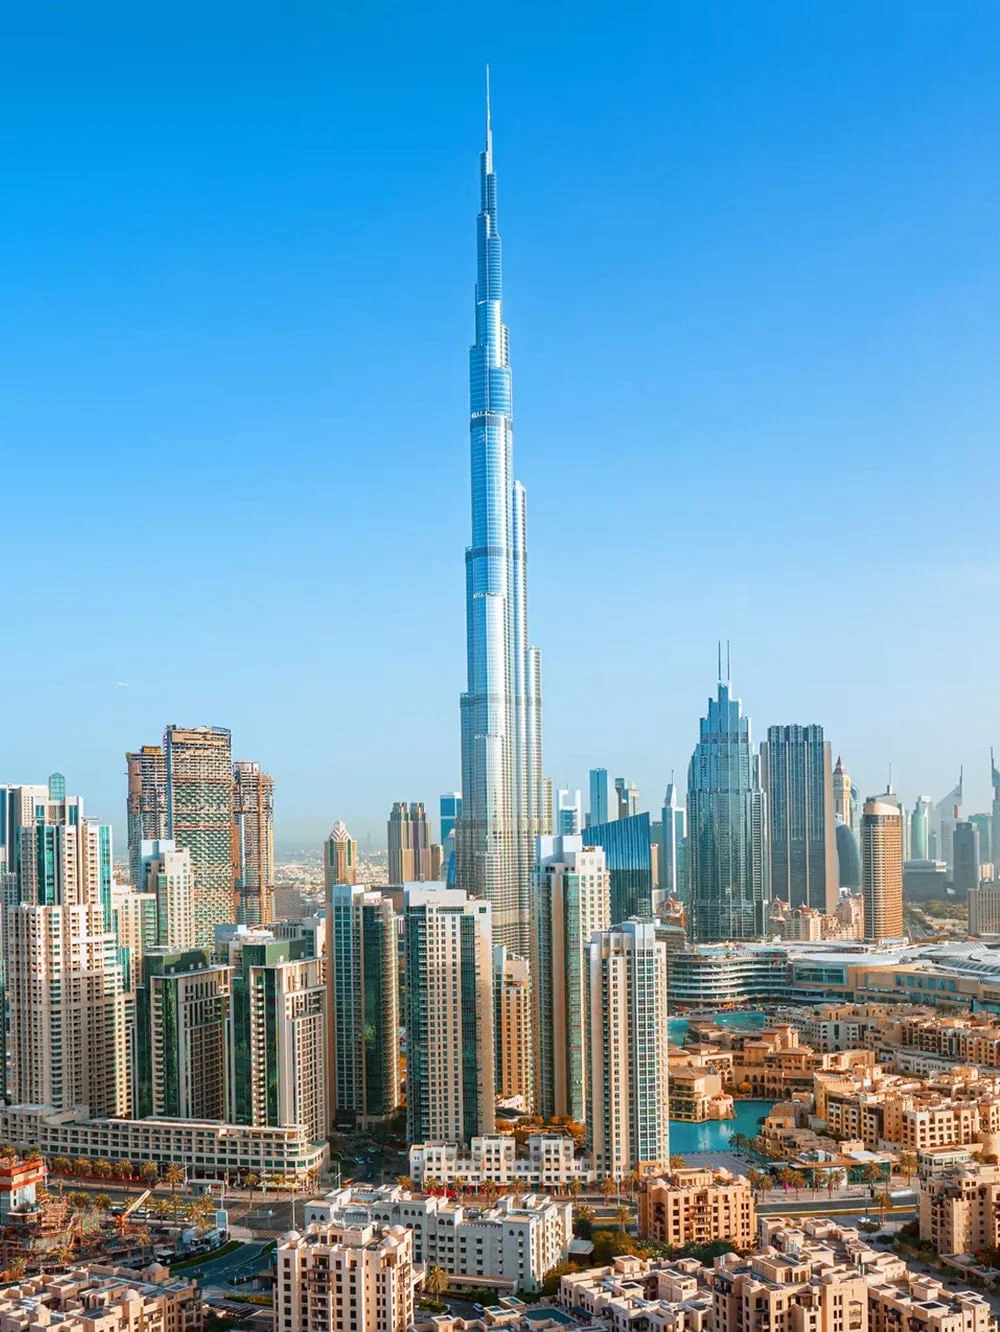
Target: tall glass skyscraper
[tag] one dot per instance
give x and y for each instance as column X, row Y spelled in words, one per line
column 727, row 832
column 501, row 711
column 798, row 778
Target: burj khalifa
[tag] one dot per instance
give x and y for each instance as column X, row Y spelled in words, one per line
column 501, row 711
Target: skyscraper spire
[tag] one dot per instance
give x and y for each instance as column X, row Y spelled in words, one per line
column 501, row 709
column 489, row 125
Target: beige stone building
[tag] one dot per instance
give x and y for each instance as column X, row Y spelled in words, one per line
column 696, row 1207
column 94, row 1298
column 344, row 1278
column 513, row 1026
column 960, row 1209
column 882, row 870
column 924, row 1305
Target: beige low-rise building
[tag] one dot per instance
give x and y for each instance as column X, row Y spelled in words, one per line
column 341, row 1278
column 922, row 1304
column 960, row 1209
column 641, row 1295
column 696, row 1093
column 548, row 1161
column 696, row 1207
column 96, row 1298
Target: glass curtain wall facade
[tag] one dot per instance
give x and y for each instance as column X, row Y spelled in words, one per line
column 501, row 710
column 627, row 845
column 798, row 778
column 727, row 832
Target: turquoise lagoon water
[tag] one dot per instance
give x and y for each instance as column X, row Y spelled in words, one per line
column 714, row 1135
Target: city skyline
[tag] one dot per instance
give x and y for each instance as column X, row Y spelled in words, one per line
column 902, row 390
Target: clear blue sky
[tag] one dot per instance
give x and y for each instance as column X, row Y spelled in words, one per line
column 752, row 286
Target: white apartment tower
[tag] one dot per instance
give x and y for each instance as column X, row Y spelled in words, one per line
column 627, row 1108
column 166, row 874
column 449, row 1015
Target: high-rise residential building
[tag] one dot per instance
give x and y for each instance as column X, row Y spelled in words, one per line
column 345, row 1278
column 946, row 814
column 278, row 1036
column 546, row 803
column 569, row 813
column 362, row 1006
column 512, row 1026
column 983, row 823
column 843, row 801
column 501, row 709
column 413, row 857
column 449, row 1015
column 63, row 973
column 66, row 1009
column 965, row 864
column 626, row 798
column 253, row 843
column 673, row 845
column 627, row 1104
column 848, row 856
column 183, row 1036
column 572, row 897
column 882, row 868
column 133, row 920
column 166, row 874
column 340, row 857
column 984, row 909
column 628, row 855
column 920, row 828
column 797, row 778
column 600, row 810
column 200, row 819
column 727, row 827
column 146, row 802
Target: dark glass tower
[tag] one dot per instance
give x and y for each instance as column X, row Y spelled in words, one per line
column 727, row 832
column 501, row 710
column 798, row 778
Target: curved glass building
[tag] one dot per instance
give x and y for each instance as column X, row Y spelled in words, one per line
column 501, row 710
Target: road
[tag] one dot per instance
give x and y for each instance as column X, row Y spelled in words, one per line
column 217, row 1274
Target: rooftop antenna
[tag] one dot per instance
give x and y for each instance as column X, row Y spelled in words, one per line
column 720, row 660
column 729, row 671
column 888, row 789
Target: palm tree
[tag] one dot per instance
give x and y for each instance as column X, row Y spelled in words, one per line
column 435, row 1281
column 585, row 1214
column 18, row 1268
column 575, row 1188
column 103, row 1168
column 757, row 1180
column 79, row 1200
column 8, row 1152
column 872, row 1173
column 677, row 1163
column 173, row 1175
column 124, row 1170
column 631, row 1183
column 884, row 1201
column 251, row 1180
column 150, row 1173
column 623, row 1215
column 103, row 1203
column 739, row 1142
column 81, row 1166
column 908, row 1165
column 797, row 1180
column 785, row 1176
column 607, row 1186
column 60, row 1165
column 144, row 1239
column 405, row 1182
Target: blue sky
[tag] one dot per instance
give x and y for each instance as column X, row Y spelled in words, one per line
column 752, row 284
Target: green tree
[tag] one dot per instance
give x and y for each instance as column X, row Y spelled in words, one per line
column 60, row 1165
column 405, row 1182
column 677, row 1163
column 436, row 1280
column 173, row 1175
column 607, row 1186
column 550, row 1282
column 124, row 1170
column 81, row 1166
column 623, row 1215
column 908, row 1165
column 758, row 1180
column 103, row 1203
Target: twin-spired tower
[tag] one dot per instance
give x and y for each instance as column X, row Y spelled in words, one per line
column 501, row 710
